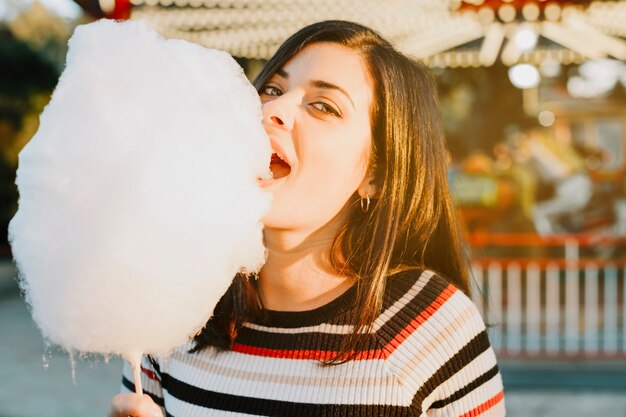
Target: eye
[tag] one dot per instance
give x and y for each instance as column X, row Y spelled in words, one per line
column 270, row 90
column 325, row 108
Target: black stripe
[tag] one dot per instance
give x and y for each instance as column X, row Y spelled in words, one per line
column 299, row 341
column 468, row 353
column 323, row 314
column 468, row 388
column 264, row 407
column 332, row 342
column 337, row 309
column 131, row 387
column 398, row 285
column 155, row 365
column 399, row 321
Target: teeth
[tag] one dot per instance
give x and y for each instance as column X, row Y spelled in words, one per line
column 282, row 158
column 274, row 146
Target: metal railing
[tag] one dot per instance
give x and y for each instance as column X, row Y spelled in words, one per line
column 562, row 305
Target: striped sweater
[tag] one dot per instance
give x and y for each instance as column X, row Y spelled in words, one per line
column 428, row 355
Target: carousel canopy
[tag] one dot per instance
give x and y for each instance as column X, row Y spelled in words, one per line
column 445, row 33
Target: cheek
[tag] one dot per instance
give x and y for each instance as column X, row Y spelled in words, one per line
column 330, row 171
column 337, row 169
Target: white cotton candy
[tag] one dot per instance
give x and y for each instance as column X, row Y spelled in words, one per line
column 138, row 194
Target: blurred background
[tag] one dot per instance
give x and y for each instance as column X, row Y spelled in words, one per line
column 533, row 98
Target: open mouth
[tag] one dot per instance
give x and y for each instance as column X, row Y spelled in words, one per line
column 279, row 167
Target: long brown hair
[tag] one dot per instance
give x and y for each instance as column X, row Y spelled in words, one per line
column 411, row 223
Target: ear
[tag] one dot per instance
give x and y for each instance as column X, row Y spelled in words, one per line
column 368, row 187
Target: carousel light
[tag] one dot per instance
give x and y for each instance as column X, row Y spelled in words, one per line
column 550, row 68
column 525, row 38
column 494, row 36
column 596, row 78
column 524, row 76
column 546, row 118
column 577, row 87
column 531, row 12
column 610, row 45
column 507, row 12
column 591, row 29
column 552, row 12
column 572, row 39
column 486, row 15
column 602, row 69
column 580, row 86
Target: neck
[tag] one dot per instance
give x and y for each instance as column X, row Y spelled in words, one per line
column 298, row 275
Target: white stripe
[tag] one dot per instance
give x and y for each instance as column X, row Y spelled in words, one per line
column 454, row 324
column 472, row 400
column 477, row 367
column 347, row 329
column 354, row 382
column 319, row 328
column 236, row 362
column 357, row 382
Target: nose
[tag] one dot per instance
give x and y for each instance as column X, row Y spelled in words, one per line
column 280, row 112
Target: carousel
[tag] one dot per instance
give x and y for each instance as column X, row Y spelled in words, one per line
column 531, row 39
column 445, row 33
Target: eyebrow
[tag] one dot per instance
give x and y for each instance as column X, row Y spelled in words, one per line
column 320, row 84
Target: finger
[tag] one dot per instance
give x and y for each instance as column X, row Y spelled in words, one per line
column 149, row 407
column 134, row 405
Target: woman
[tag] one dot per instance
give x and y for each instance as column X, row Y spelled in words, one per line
column 361, row 307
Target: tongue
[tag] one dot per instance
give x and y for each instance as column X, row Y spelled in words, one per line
column 279, row 169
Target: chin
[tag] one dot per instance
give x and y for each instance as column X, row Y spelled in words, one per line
column 273, row 220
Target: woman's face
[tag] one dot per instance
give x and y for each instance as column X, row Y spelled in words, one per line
column 317, row 114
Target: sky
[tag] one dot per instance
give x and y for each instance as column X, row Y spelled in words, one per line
column 64, row 8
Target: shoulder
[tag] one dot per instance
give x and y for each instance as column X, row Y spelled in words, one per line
column 425, row 306
column 437, row 346
column 417, row 288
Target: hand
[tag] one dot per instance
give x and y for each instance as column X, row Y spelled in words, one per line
column 134, row 405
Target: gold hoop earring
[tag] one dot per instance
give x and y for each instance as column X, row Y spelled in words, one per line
column 365, row 203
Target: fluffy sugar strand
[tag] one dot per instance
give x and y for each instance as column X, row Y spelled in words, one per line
column 138, row 193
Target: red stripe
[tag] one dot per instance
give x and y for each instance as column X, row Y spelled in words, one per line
column 382, row 353
column 149, row 373
column 301, row 354
column 485, row 406
column 420, row 319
